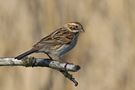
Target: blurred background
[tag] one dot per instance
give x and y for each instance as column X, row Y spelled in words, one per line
column 105, row 52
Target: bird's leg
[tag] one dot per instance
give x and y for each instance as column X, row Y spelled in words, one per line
column 58, row 58
column 49, row 56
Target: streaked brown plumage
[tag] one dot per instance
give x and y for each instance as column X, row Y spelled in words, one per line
column 58, row 42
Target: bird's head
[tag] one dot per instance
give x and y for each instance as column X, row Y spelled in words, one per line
column 74, row 27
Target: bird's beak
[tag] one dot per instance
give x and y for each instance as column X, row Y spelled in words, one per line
column 82, row 30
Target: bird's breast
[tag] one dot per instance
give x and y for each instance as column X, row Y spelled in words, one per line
column 67, row 47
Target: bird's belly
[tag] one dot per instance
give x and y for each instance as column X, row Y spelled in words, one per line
column 65, row 48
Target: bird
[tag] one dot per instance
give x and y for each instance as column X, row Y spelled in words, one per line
column 58, row 43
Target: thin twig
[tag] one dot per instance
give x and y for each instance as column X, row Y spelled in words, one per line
column 69, row 76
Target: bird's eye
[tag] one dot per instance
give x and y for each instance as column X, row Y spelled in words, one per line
column 76, row 26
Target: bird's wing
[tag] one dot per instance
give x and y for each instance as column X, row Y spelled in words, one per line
column 63, row 36
column 59, row 37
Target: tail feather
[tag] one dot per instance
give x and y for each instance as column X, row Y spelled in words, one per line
column 19, row 57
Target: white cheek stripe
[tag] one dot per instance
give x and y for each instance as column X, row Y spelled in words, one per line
column 73, row 24
column 74, row 30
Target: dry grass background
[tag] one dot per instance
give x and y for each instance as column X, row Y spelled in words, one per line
column 106, row 51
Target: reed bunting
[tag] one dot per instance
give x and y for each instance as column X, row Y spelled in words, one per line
column 58, row 43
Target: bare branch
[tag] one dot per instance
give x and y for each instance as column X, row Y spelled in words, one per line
column 39, row 62
column 63, row 67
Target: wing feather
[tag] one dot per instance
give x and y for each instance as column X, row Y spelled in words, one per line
column 59, row 37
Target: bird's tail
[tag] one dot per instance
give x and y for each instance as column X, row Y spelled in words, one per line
column 19, row 57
